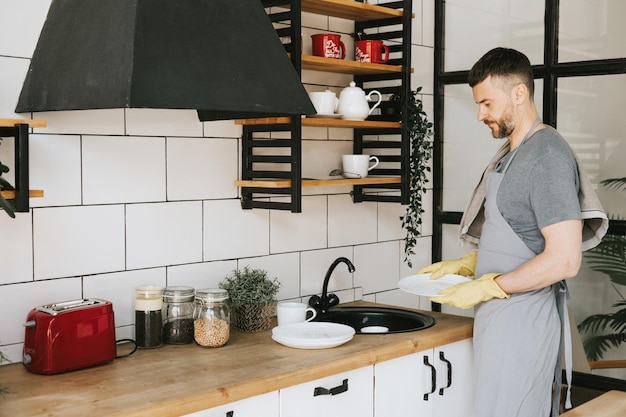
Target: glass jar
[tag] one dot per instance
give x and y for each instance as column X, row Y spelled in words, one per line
column 211, row 317
column 178, row 315
column 148, row 317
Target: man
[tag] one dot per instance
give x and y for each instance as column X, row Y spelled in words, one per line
column 526, row 218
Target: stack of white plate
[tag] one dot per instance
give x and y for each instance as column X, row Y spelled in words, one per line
column 313, row 335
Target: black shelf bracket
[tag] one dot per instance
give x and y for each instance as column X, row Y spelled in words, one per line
column 22, row 182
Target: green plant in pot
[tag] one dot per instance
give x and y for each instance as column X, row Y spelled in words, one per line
column 419, row 131
column 608, row 330
column 5, row 186
column 252, row 297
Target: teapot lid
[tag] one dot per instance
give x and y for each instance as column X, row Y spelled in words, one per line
column 353, row 88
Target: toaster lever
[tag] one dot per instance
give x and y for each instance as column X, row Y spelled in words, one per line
column 30, row 323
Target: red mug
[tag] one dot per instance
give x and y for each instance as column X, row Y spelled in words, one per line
column 371, row 51
column 328, row 45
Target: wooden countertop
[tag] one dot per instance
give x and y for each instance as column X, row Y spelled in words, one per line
column 175, row 380
column 609, row 404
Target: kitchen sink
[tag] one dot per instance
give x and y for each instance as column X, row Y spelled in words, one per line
column 377, row 320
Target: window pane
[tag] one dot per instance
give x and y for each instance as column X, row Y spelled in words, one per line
column 591, row 118
column 468, row 145
column 480, row 25
column 590, row 30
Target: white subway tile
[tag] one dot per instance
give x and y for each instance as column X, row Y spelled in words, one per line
column 78, row 240
column 400, row 298
column 222, row 129
column 162, row 234
column 200, row 168
column 350, row 223
column 423, row 74
column 90, row 122
column 13, row 71
column 119, row 289
column 291, row 232
column 231, row 232
column 389, row 223
column 285, row 267
column 160, row 122
column 123, row 169
column 19, row 299
column 316, row 263
column 16, row 246
column 20, row 25
column 377, row 266
column 200, row 275
column 55, row 167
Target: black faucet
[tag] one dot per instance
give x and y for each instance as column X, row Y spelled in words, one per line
column 323, row 303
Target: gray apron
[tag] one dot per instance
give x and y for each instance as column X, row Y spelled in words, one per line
column 516, row 341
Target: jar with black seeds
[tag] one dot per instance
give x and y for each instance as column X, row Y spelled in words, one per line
column 178, row 315
column 148, row 317
column 211, row 317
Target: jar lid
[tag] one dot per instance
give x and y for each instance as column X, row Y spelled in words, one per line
column 149, row 292
column 212, row 294
column 178, row 293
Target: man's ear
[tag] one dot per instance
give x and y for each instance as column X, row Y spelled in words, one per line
column 519, row 94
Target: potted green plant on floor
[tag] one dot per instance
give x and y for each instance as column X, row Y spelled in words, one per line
column 252, row 296
column 419, row 130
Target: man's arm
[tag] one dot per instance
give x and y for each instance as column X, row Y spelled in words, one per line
column 560, row 259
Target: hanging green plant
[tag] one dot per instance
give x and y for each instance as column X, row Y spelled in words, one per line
column 5, row 186
column 419, row 131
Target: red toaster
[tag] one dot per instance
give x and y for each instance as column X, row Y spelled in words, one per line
column 70, row 335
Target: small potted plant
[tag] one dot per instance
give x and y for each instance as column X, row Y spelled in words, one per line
column 252, row 297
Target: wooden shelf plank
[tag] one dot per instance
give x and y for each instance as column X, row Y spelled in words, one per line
column 321, row 122
column 346, row 66
column 280, row 183
column 350, row 9
column 31, row 123
column 10, row 195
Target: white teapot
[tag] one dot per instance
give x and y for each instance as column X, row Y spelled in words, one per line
column 353, row 103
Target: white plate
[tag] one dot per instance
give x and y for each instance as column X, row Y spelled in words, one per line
column 326, row 116
column 313, row 335
column 421, row 284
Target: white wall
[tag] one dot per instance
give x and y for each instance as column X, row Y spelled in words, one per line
column 136, row 196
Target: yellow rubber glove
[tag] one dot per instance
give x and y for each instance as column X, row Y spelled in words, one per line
column 463, row 266
column 468, row 294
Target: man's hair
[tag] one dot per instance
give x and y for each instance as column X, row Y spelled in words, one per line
column 506, row 63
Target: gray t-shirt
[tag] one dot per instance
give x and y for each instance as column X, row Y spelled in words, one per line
column 540, row 187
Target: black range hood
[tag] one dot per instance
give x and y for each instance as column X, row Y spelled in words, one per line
column 220, row 57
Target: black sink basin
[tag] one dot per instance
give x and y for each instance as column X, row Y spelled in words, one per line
column 377, row 320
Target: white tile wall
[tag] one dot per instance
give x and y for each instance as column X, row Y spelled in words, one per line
column 136, row 196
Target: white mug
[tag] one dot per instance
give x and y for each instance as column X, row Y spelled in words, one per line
column 325, row 102
column 357, row 166
column 293, row 312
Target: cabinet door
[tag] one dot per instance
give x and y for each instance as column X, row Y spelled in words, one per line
column 405, row 386
column 349, row 394
column 265, row 405
column 455, row 380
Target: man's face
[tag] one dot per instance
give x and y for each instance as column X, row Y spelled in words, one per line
column 495, row 106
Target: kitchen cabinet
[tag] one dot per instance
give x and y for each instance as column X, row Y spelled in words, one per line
column 434, row 383
column 18, row 129
column 265, row 404
column 271, row 157
column 347, row 394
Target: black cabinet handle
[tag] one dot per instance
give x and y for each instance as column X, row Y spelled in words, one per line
column 332, row 391
column 230, row 413
column 449, row 364
column 433, row 378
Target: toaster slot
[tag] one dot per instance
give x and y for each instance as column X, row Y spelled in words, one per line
column 57, row 308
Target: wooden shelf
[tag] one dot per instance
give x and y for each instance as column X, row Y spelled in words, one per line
column 10, row 195
column 346, row 66
column 30, row 123
column 349, row 9
column 321, row 122
column 280, row 183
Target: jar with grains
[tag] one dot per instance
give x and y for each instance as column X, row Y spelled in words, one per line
column 211, row 325
column 178, row 315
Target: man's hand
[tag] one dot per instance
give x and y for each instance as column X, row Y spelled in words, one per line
column 463, row 266
column 468, row 294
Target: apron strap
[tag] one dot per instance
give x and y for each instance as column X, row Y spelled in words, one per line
column 565, row 351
